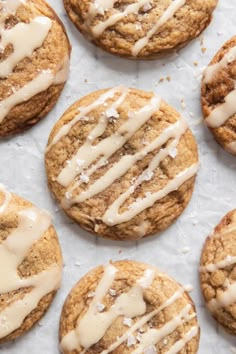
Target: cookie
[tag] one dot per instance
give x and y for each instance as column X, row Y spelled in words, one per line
column 30, row 265
column 128, row 307
column 219, row 96
column 218, row 272
column 122, row 163
column 140, row 28
column 34, row 63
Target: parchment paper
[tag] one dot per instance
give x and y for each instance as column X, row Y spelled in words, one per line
column 177, row 250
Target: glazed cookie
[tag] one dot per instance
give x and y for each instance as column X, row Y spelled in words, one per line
column 140, row 28
column 219, row 96
column 128, row 307
column 218, row 272
column 30, row 265
column 122, row 163
column 34, row 63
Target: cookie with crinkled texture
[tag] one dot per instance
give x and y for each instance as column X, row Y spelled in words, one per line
column 109, row 301
column 218, row 272
column 34, row 63
column 142, row 29
column 122, row 163
column 219, row 96
column 31, row 265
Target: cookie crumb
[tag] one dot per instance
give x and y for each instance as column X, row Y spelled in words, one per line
column 185, row 250
column 183, row 104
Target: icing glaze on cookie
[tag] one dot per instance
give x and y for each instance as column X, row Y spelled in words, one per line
column 213, row 267
column 94, row 324
column 89, row 157
column 224, row 111
column 98, row 29
column 7, row 198
column 213, row 69
column 217, row 271
column 167, row 15
column 25, row 38
column 32, row 224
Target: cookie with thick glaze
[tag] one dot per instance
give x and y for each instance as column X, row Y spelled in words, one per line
column 128, row 307
column 218, row 272
column 122, row 163
column 140, row 28
column 30, row 265
column 34, row 63
column 219, row 96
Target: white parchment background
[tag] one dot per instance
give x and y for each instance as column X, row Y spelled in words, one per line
column 22, row 171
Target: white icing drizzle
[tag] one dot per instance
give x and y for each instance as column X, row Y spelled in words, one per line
column 213, row 69
column 99, row 7
column 180, row 344
column 130, row 304
column 32, row 224
column 83, row 112
column 63, row 72
column 228, row 261
column 227, row 230
column 223, row 299
column 89, row 153
column 90, row 157
column 94, row 324
column 9, row 7
column 223, row 112
column 132, row 8
column 232, row 147
column 153, row 336
column 25, row 38
column 98, row 29
column 126, row 162
column 7, row 199
column 145, row 319
column 112, row 215
column 167, row 15
column 38, row 84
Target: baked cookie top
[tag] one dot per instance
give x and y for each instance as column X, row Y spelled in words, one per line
column 30, row 264
column 140, row 28
column 128, row 307
column 122, row 163
column 34, row 63
column 219, row 96
column 218, row 272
